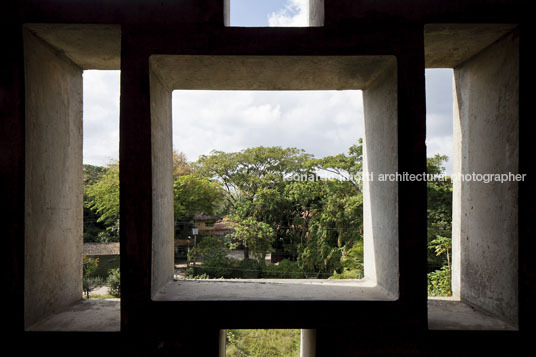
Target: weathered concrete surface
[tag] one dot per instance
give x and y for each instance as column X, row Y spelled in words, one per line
column 162, row 184
column 449, row 314
column 268, row 72
column 308, row 343
column 90, row 46
column 485, row 224
column 316, row 13
column 449, row 45
column 375, row 74
column 380, row 199
column 53, row 199
column 85, row 315
column 272, row 289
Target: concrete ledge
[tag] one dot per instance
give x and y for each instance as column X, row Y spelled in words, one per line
column 272, row 289
column 450, row 314
column 85, row 315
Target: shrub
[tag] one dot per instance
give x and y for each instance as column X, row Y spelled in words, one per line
column 114, row 281
column 89, row 280
column 248, row 269
column 284, row 270
column 352, row 263
column 439, row 282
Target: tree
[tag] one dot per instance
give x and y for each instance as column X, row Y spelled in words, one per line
column 194, row 195
column 103, row 198
column 439, row 210
column 254, row 181
column 256, row 236
column 93, row 230
column 439, row 228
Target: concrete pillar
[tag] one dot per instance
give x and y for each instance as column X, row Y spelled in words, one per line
column 380, row 198
column 162, row 184
column 308, row 343
column 316, row 13
column 222, row 344
column 485, row 215
column 53, row 180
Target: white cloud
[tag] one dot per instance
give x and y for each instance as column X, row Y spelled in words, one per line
column 101, row 117
column 320, row 122
column 294, row 14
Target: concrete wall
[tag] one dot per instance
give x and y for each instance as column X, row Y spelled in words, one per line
column 486, row 136
column 380, row 199
column 53, row 198
column 162, row 184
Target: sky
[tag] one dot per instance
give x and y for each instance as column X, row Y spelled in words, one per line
column 320, row 122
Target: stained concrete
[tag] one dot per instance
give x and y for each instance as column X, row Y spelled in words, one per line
column 272, row 289
column 449, row 314
column 85, row 315
column 316, row 13
column 268, row 72
column 380, row 199
column 53, row 197
column 90, row 46
column 485, row 215
column 162, row 184
column 449, row 45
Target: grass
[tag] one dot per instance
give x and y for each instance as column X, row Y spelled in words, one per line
column 263, row 343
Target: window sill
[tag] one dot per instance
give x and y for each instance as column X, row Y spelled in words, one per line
column 272, row 289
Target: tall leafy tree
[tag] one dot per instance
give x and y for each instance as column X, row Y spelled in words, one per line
column 103, row 198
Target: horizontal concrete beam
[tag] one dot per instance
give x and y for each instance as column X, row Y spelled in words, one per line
column 88, row 46
column 449, row 45
column 268, row 72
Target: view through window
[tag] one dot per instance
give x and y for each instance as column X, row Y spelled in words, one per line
column 101, row 185
column 267, row 184
column 439, row 152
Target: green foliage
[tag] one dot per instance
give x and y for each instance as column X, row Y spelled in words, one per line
column 439, row 229
column 439, row 282
column 248, row 269
column 195, row 195
column 106, row 264
column 253, row 235
column 352, row 263
column 102, row 197
column 317, row 258
column 92, row 228
column 89, row 280
column 114, row 282
column 439, row 209
column 348, row 167
column 284, row 270
column 215, row 262
column 263, row 343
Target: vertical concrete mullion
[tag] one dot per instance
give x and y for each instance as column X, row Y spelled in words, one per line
column 162, row 184
column 135, row 174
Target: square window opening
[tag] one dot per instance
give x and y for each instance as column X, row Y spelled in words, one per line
column 375, row 75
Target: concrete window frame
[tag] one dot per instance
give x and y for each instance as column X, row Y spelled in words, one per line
column 375, row 75
column 315, row 9
column 485, row 257
column 55, row 56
